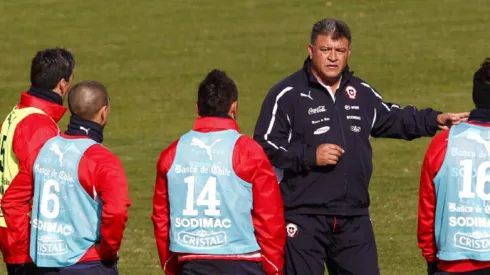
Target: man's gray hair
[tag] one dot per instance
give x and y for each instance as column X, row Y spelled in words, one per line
column 332, row 27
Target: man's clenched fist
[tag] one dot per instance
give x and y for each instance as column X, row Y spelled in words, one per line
column 328, row 154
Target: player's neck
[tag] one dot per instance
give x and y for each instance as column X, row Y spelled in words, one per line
column 82, row 127
column 333, row 83
column 220, row 115
column 46, row 94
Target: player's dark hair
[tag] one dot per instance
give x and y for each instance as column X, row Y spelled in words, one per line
column 49, row 66
column 216, row 94
column 481, row 85
column 86, row 98
column 331, row 27
column 483, row 73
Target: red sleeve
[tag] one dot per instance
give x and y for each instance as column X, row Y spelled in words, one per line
column 31, row 134
column 252, row 165
column 29, row 137
column 111, row 187
column 161, row 214
column 434, row 158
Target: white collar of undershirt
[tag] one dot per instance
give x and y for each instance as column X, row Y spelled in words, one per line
column 329, row 89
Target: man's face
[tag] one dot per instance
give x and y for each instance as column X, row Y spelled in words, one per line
column 329, row 57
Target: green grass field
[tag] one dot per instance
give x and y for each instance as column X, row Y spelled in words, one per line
column 152, row 54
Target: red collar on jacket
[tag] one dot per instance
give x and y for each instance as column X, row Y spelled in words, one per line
column 55, row 111
column 214, row 124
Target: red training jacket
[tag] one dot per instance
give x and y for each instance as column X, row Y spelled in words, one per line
column 30, row 134
column 434, row 158
column 101, row 174
column 250, row 164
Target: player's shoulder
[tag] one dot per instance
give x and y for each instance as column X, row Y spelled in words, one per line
column 170, row 150
column 35, row 129
column 248, row 146
column 440, row 138
column 248, row 158
column 167, row 156
column 102, row 156
column 35, row 122
column 363, row 86
column 289, row 85
column 438, row 143
column 39, row 117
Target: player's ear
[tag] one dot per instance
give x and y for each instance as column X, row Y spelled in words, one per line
column 63, row 86
column 233, row 110
column 104, row 115
column 310, row 51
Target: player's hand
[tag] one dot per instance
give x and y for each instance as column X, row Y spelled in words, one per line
column 447, row 120
column 328, row 154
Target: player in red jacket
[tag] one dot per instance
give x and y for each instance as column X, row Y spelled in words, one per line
column 100, row 173
column 435, row 185
column 248, row 185
column 29, row 125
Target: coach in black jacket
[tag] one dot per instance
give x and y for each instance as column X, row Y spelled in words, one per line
column 315, row 127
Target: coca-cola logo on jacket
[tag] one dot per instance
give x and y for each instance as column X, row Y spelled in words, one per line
column 317, row 110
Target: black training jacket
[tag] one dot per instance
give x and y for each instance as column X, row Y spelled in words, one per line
column 299, row 113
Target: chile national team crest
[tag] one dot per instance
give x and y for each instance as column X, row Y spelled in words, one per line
column 351, row 92
column 292, row 230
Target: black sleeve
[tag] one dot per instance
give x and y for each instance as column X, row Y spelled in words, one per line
column 391, row 121
column 272, row 132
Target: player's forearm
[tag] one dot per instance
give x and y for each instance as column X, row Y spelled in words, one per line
column 16, row 207
column 407, row 123
column 426, row 243
column 426, row 213
column 271, row 237
column 163, row 249
column 112, row 229
column 17, row 218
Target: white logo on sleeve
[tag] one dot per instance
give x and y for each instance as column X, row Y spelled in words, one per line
column 321, row 130
column 307, row 95
column 199, row 143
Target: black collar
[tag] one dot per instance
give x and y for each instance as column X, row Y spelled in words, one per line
column 480, row 115
column 46, row 94
column 82, row 127
column 219, row 115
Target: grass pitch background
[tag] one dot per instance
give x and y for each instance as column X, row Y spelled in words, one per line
column 152, row 55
